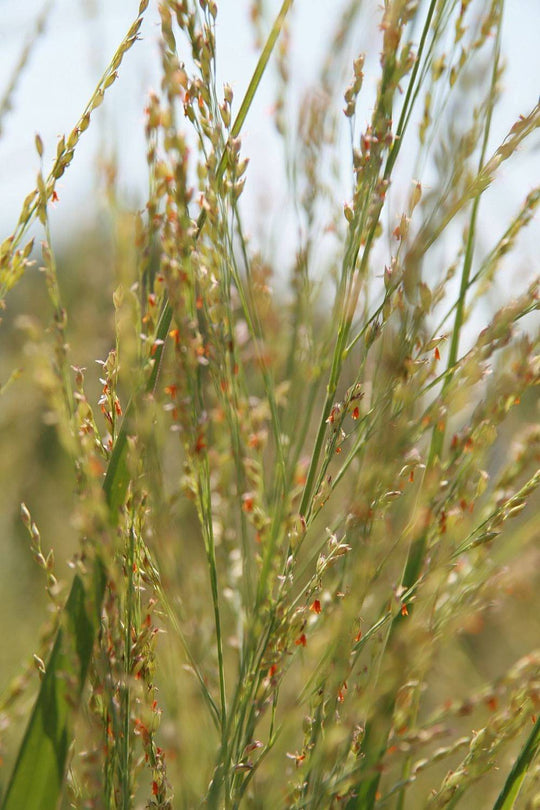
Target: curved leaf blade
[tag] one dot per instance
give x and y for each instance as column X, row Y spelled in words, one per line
column 508, row 795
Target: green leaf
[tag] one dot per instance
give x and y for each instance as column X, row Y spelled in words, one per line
column 527, row 755
column 39, row 771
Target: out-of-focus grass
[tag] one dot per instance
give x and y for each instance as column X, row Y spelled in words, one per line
column 34, row 468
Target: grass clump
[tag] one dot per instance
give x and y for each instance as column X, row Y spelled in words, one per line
column 323, row 505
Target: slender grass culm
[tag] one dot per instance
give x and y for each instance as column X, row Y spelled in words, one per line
column 305, row 567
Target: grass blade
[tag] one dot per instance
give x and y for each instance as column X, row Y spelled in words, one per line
column 509, row 793
column 38, row 775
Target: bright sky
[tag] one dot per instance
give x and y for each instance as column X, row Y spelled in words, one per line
column 80, row 39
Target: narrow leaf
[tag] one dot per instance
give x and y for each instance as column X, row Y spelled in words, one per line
column 529, row 752
column 39, row 771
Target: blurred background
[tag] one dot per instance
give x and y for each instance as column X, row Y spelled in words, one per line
column 63, row 68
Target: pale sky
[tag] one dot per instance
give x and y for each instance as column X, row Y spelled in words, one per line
column 80, row 39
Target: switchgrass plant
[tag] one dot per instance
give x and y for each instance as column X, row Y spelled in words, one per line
column 305, row 569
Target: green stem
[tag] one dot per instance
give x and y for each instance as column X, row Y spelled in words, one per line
column 438, row 435
column 126, row 757
column 345, row 326
column 378, row 728
column 508, row 795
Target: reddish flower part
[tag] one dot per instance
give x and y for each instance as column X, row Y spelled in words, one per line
column 200, row 444
column 248, row 502
column 298, row 758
